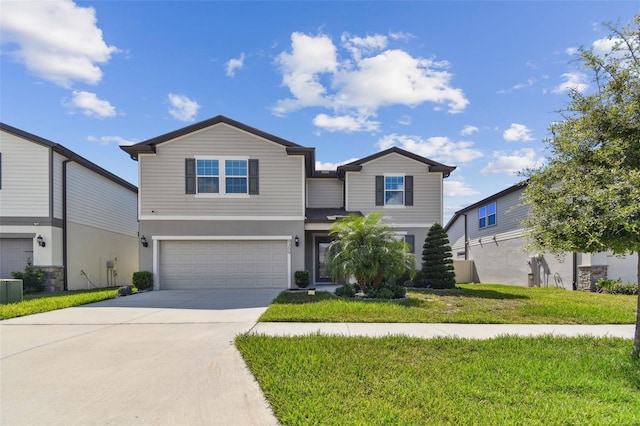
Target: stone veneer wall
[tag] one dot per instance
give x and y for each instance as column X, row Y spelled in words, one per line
column 53, row 277
column 588, row 276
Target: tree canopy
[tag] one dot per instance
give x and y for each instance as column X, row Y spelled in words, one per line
column 586, row 198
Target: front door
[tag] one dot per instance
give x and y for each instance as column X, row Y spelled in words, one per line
column 322, row 275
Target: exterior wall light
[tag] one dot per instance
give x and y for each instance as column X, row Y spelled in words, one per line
column 144, row 242
column 40, row 241
column 296, row 240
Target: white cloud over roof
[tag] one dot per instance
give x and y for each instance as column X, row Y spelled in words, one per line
column 182, row 108
column 517, row 132
column 437, row 148
column 457, row 188
column 367, row 76
column 511, row 163
column 56, row 40
column 89, row 104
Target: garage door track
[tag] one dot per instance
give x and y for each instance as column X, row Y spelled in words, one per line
column 163, row 357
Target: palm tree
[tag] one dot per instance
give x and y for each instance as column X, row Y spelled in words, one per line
column 368, row 250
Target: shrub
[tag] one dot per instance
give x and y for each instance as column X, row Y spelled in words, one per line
column 142, row 280
column 383, row 292
column 32, row 278
column 125, row 290
column 419, row 280
column 347, row 290
column 437, row 262
column 302, row 278
column 390, row 291
column 616, row 287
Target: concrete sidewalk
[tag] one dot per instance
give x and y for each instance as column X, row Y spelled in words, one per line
column 469, row 331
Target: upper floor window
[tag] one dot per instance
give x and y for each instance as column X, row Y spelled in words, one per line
column 221, row 176
column 487, row 215
column 394, row 190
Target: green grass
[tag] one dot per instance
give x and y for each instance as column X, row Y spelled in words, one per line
column 470, row 304
column 44, row 302
column 445, row 381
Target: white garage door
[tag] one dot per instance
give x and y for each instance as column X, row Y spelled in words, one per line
column 14, row 253
column 223, row 264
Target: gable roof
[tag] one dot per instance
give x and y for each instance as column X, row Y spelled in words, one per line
column 497, row 195
column 56, row 147
column 149, row 146
column 434, row 166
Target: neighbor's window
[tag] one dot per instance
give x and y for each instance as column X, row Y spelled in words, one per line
column 394, row 190
column 487, row 215
column 208, row 176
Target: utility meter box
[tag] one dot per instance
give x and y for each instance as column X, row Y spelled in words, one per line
column 10, row 291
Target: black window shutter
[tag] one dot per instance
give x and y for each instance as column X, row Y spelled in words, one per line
column 190, row 175
column 254, row 182
column 408, row 190
column 379, row 190
column 411, row 242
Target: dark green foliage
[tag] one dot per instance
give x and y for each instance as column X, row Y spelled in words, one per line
column 142, row 280
column 302, row 278
column 390, row 291
column 616, row 287
column 125, row 290
column 32, row 278
column 383, row 292
column 437, row 262
column 347, row 290
column 418, row 280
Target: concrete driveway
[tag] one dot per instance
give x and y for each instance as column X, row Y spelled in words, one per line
column 157, row 358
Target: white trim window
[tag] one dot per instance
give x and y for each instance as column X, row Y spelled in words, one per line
column 487, row 215
column 223, row 176
column 394, row 190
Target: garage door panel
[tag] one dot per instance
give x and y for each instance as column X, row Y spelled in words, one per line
column 223, row 264
column 14, row 253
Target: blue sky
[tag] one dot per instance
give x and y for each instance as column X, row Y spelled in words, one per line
column 470, row 84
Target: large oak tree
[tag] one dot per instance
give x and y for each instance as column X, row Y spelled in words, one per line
column 587, row 197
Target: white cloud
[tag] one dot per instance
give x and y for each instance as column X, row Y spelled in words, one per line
column 511, row 163
column 332, row 166
column 517, row 132
column 437, row 148
column 345, row 123
column 106, row 140
column 183, row 108
column 469, row 130
column 90, row 105
column 56, row 40
column 370, row 76
column 405, row 120
column 571, row 51
column 235, row 64
column 457, row 188
column 572, row 80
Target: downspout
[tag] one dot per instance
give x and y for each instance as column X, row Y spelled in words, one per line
column 65, row 275
column 466, row 239
column 575, row 271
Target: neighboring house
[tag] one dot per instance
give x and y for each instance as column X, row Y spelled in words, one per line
column 70, row 217
column 495, row 239
column 222, row 204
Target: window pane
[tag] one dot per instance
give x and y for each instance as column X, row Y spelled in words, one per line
column 492, row 208
column 394, row 183
column 236, row 185
column 492, row 219
column 483, row 222
column 394, row 198
column 482, row 212
column 235, row 167
column 208, row 185
column 208, row 167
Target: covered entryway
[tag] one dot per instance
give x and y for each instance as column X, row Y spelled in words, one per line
column 14, row 253
column 211, row 264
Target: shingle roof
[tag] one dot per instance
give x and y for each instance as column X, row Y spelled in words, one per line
column 433, row 165
column 327, row 215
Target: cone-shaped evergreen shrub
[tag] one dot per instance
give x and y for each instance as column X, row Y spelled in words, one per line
column 437, row 262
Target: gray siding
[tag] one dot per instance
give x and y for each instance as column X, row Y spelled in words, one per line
column 57, row 185
column 25, row 177
column 162, row 183
column 427, row 192
column 98, row 202
column 325, row 193
column 508, row 217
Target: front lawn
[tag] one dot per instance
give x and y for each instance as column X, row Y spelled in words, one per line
column 44, row 302
column 470, row 304
column 401, row 380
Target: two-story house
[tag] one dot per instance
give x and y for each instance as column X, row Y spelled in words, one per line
column 69, row 217
column 222, row 204
column 490, row 233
